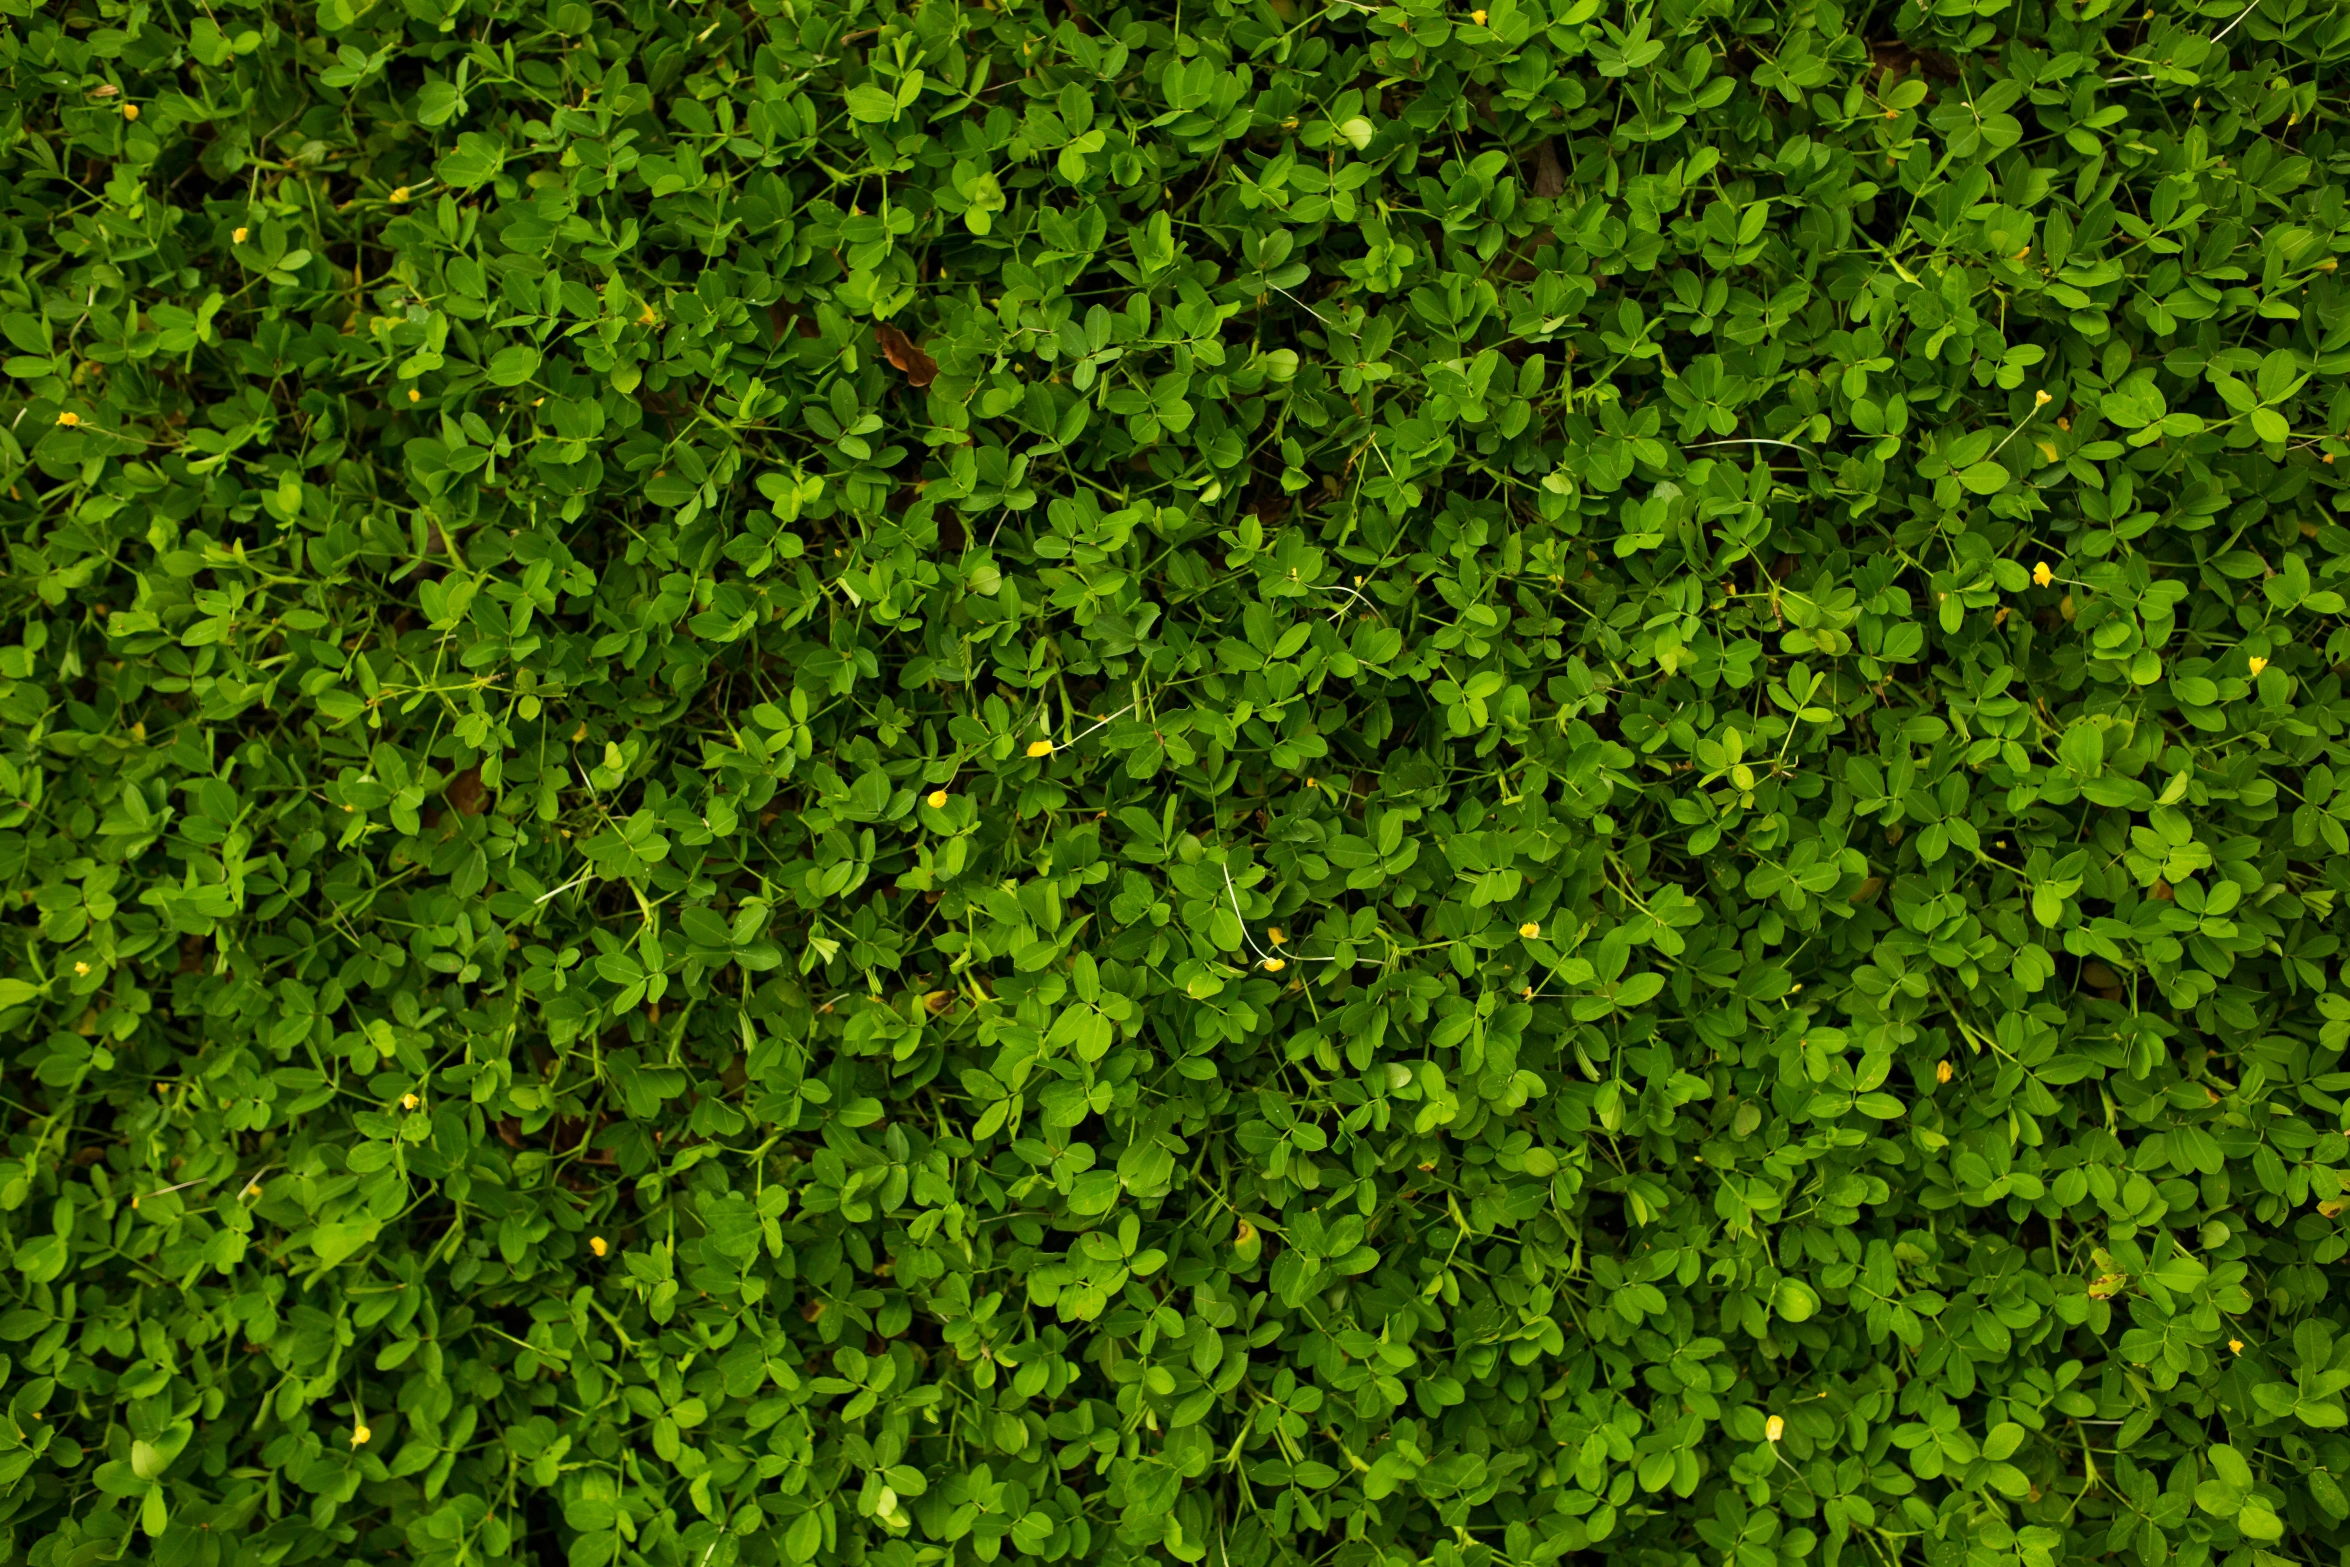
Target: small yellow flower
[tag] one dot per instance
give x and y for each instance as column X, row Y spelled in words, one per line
column 1040, row 748
column 1774, row 1428
column 1530, row 930
column 2235, row 1346
column 1478, row 17
column 414, row 395
column 130, row 111
column 1273, row 933
column 938, row 799
column 237, row 235
column 359, row 1436
column 2257, row 665
column 1942, row 1072
column 399, row 193
column 2043, row 397
column 2043, row 574
column 81, row 970
column 598, row 1245
column 69, row 418
column 409, row 1101
column 1274, row 965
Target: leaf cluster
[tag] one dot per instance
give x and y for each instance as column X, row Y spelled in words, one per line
column 838, row 783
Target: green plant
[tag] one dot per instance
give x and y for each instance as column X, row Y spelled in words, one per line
column 1241, row 783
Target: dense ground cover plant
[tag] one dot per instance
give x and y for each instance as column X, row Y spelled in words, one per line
column 859, row 783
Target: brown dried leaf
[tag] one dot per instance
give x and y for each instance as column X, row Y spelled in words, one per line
column 1550, row 180
column 466, row 794
column 902, row 353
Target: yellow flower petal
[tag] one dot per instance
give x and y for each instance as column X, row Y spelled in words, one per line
column 1774, row 1428
column 598, row 1245
column 2257, row 665
column 1530, row 930
column 1040, row 748
column 2043, row 574
column 938, row 799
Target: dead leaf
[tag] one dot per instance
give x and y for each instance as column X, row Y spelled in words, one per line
column 466, row 793
column 1550, row 180
column 900, row 350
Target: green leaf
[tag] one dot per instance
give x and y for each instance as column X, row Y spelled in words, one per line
column 513, row 365
column 344, row 1239
column 872, row 106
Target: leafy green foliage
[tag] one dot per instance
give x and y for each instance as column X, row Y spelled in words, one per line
column 1239, row 784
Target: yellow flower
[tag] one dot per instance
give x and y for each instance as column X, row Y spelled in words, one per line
column 1274, row 965
column 938, row 799
column 400, row 193
column 414, row 395
column 69, row 418
column 409, row 1101
column 2043, row 397
column 1942, row 1072
column 2257, row 665
column 598, row 1245
column 2235, row 1346
column 81, row 970
column 237, row 235
column 1274, row 935
column 1530, row 930
column 1040, row 748
column 1774, row 1428
column 1478, row 17
column 359, row 1435
column 2043, row 574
